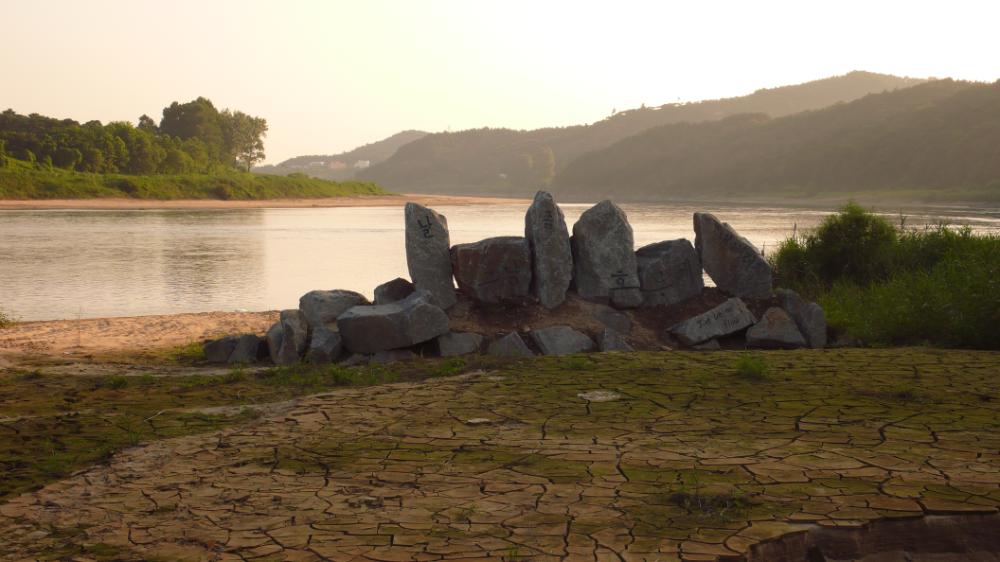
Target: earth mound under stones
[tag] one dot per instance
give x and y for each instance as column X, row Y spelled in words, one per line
column 545, row 293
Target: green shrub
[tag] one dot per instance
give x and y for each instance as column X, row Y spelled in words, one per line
column 6, row 320
column 751, row 367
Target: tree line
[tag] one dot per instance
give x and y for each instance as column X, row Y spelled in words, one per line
column 192, row 137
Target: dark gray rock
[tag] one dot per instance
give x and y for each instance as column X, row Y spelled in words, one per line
column 294, row 337
column 808, row 316
column 710, row 345
column 617, row 321
column 247, row 350
column 218, row 351
column 510, row 345
column 776, row 330
column 604, row 263
column 273, row 340
column 727, row 318
column 356, row 360
column 393, row 291
column 669, row 272
column 325, row 346
column 428, row 254
column 561, row 340
column 736, row 266
column 392, row 356
column 459, row 343
column 494, row 270
column 323, row 307
column 552, row 255
column 611, row 340
column 372, row 328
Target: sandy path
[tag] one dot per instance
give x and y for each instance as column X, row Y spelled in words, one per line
column 361, row 201
column 129, row 334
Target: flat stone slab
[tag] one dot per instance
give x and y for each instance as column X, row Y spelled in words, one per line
column 494, row 270
column 776, row 330
column 736, row 266
column 459, row 343
column 727, row 318
column 552, row 256
column 561, row 340
column 373, row 328
column 428, row 253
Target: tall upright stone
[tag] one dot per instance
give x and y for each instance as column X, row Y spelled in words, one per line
column 552, row 265
column 736, row 266
column 428, row 254
column 494, row 270
column 294, row 337
column 669, row 272
column 604, row 263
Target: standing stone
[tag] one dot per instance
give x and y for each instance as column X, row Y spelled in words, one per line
column 809, row 317
column 323, row 307
column 604, row 263
column 552, row 255
column 494, row 270
column 324, row 347
column 273, row 339
column 736, row 266
column 561, row 340
column 218, row 351
column 459, row 343
column 294, row 337
column 510, row 345
column 669, row 272
column 776, row 329
column 612, row 340
column 393, row 291
column 428, row 254
column 727, row 318
column 369, row 329
column 247, row 350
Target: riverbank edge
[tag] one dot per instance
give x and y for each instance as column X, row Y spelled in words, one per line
column 112, row 204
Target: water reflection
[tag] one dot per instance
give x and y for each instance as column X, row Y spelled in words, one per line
column 64, row 264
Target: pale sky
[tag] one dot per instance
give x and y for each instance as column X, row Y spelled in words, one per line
column 329, row 76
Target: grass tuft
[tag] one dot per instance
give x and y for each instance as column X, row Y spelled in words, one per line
column 751, row 367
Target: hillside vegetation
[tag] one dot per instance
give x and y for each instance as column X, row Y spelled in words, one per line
column 344, row 165
column 22, row 180
column 940, row 139
column 509, row 162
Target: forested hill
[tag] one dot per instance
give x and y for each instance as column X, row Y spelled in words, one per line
column 506, row 162
column 346, row 164
column 942, row 135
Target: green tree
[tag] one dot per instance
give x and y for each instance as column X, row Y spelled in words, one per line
column 244, row 137
column 196, row 119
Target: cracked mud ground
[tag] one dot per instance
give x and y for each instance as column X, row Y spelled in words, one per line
column 691, row 461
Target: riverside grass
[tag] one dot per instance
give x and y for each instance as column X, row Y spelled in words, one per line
column 22, row 180
column 889, row 285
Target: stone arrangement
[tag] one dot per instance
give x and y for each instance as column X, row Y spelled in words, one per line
column 659, row 287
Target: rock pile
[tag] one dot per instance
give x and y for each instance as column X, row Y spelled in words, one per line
column 657, row 290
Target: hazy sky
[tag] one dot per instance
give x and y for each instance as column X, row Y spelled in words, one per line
column 329, row 76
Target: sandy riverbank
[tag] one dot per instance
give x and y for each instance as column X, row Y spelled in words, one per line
column 126, row 334
column 361, row 201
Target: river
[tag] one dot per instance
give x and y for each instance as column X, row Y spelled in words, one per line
column 64, row 264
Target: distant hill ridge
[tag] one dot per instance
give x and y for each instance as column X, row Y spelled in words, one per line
column 941, row 136
column 346, row 164
column 510, row 162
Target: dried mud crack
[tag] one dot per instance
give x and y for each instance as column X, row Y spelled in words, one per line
column 689, row 462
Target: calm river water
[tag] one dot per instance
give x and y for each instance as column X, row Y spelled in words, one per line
column 69, row 264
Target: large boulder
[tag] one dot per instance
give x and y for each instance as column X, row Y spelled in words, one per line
column 373, row 328
column 727, row 318
column 604, row 265
column 324, row 346
column 294, row 337
column 561, row 340
column 736, row 266
column 247, row 350
column 808, row 316
column 273, row 339
column 428, row 254
column 552, row 255
column 393, row 291
column 614, row 319
column 669, row 272
column 459, row 343
column 776, row 329
column 494, row 270
column 510, row 345
column 323, row 307
column 218, row 351
column 611, row 340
